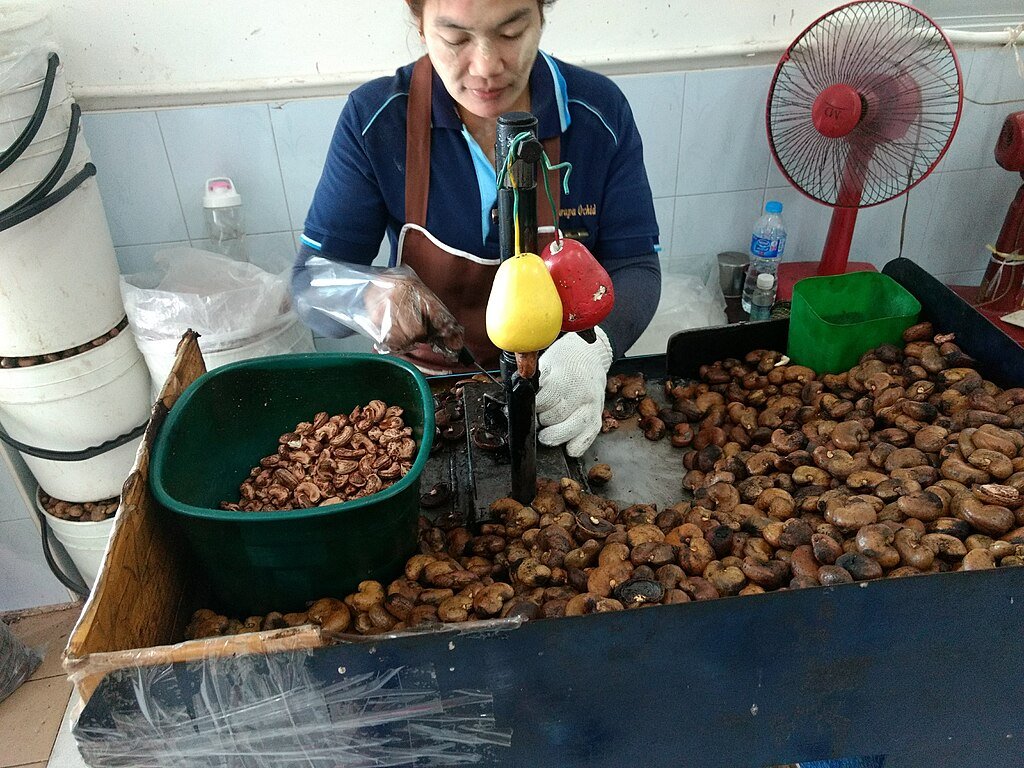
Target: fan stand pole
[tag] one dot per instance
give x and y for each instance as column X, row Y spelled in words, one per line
column 836, row 254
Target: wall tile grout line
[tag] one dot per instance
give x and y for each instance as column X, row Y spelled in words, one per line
column 170, row 167
column 280, row 170
column 679, row 140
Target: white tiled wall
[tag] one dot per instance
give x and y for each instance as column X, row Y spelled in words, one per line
column 25, row 580
column 705, row 148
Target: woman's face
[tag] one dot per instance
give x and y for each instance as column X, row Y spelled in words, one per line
column 483, row 50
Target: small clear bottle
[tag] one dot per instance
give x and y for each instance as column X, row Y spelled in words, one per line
column 766, row 246
column 763, row 298
column 225, row 226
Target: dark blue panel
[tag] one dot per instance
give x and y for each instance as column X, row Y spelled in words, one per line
column 926, row 670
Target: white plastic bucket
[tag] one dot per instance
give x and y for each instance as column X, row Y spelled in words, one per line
column 286, row 336
column 74, row 404
column 56, row 120
column 28, row 170
column 20, row 103
column 43, row 144
column 85, row 542
column 58, row 278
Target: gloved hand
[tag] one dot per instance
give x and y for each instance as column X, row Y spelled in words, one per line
column 408, row 313
column 571, row 395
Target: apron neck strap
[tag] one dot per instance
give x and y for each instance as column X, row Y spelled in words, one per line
column 417, row 152
column 417, row 143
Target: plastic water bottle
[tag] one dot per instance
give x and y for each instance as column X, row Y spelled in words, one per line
column 763, row 297
column 222, row 208
column 766, row 247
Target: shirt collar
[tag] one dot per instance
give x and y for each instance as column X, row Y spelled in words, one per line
column 548, row 100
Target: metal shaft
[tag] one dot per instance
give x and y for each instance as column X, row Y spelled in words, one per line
column 520, row 393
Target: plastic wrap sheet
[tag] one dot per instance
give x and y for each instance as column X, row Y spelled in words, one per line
column 259, row 711
column 16, row 662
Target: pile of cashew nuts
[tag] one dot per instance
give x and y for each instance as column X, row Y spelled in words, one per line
column 329, row 460
column 909, row 463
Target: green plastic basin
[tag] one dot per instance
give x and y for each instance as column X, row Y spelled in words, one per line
column 231, row 417
column 836, row 319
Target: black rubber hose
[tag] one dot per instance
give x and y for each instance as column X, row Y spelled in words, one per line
column 78, row 588
column 13, row 152
column 86, row 453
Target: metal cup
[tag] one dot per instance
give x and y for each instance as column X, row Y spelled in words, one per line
column 732, row 269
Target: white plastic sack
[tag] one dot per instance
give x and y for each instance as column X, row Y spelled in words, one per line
column 239, row 310
column 687, row 301
column 207, row 292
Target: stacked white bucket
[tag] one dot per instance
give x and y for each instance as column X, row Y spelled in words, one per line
column 73, row 396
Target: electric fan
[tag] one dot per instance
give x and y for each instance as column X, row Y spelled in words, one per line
column 862, row 107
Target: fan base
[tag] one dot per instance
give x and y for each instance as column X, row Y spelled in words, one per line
column 792, row 271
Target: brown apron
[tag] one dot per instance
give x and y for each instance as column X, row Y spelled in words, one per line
column 461, row 280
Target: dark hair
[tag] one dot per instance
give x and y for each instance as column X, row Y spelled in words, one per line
column 416, row 7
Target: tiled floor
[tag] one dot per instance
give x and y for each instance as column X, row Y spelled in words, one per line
column 30, row 718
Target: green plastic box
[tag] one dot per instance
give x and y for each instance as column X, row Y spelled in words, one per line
column 231, row 417
column 836, row 319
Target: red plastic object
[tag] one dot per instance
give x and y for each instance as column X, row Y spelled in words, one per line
column 1010, row 146
column 837, row 110
column 1011, row 236
column 1000, row 288
column 1010, row 155
column 582, row 283
column 999, row 291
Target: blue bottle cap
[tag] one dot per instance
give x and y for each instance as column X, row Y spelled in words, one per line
column 773, row 206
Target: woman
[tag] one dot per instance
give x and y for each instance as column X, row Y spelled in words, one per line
column 413, row 156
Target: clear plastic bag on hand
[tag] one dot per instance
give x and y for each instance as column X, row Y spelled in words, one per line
column 390, row 305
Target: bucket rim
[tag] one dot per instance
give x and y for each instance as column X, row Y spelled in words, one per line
column 61, row 135
column 109, row 353
column 809, row 282
column 63, row 104
column 37, row 83
column 85, row 524
column 23, row 189
column 318, row 359
column 49, row 152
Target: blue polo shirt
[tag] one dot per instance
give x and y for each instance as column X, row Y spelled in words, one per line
column 361, row 193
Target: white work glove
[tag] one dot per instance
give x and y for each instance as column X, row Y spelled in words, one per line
column 571, row 395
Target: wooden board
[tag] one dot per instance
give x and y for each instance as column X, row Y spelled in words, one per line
column 143, row 595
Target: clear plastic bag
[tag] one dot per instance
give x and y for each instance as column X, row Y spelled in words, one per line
column 16, row 662
column 691, row 297
column 209, row 293
column 390, row 305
